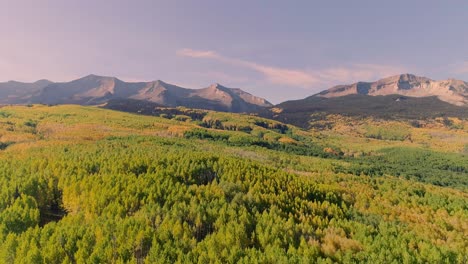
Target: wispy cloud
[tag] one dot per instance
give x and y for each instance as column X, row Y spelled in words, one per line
column 284, row 76
column 198, row 54
column 273, row 74
column 304, row 78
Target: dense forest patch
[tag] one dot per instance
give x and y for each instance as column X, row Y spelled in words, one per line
column 163, row 203
column 442, row 169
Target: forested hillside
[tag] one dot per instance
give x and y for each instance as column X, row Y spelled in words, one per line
column 90, row 185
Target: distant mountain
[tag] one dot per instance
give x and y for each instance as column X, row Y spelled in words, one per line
column 96, row 90
column 13, row 92
column 404, row 96
column 401, row 96
column 451, row 91
column 214, row 97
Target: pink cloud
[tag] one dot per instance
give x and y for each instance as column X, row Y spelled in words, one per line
column 304, row 78
column 286, row 76
column 273, row 74
column 198, row 54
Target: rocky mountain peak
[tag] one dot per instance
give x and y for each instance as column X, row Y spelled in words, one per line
column 451, row 91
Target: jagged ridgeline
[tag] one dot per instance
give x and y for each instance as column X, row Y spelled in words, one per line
column 91, row 185
column 95, row 90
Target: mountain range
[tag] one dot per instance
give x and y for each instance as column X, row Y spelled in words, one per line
column 401, row 95
column 96, row 90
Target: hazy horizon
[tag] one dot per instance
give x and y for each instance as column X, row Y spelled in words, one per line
column 271, row 49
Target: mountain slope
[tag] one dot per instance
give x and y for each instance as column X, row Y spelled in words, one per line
column 88, row 90
column 95, row 90
column 404, row 96
column 451, row 91
column 298, row 112
column 13, row 92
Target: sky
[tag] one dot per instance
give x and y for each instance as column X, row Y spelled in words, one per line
column 278, row 50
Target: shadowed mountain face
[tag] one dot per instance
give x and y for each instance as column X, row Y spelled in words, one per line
column 301, row 112
column 451, row 91
column 95, row 90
